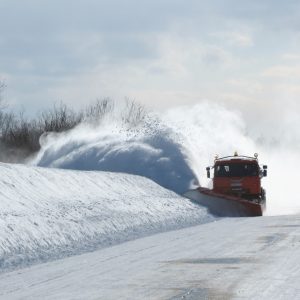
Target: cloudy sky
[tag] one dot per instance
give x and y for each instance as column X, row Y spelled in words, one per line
column 160, row 52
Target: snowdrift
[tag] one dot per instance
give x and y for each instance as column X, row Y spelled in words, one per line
column 47, row 214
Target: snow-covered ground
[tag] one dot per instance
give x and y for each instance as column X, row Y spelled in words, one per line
column 253, row 258
column 103, row 218
column 47, row 214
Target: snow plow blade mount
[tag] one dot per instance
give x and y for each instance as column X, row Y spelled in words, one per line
column 225, row 205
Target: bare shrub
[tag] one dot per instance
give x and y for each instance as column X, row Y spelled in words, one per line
column 96, row 112
column 60, row 118
column 134, row 113
column 18, row 132
column 20, row 136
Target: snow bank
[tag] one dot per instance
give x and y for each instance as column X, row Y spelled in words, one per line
column 49, row 213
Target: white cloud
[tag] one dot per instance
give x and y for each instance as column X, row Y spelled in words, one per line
column 167, row 50
column 234, row 38
column 217, row 56
column 282, row 71
column 291, row 56
column 241, row 39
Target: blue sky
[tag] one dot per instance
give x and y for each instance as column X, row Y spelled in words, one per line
column 244, row 54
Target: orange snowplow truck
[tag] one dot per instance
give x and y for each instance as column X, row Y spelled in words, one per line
column 239, row 176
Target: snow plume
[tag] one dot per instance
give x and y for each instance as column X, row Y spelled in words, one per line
column 282, row 152
column 206, row 130
column 282, row 183
column 174, row 148
column 171, row 149
column 149, row 149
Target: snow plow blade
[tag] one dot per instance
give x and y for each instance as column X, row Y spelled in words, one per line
column 225, row 205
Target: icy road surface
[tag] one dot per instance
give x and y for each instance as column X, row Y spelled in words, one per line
column 253, row 258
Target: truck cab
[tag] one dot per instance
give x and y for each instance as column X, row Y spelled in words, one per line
column 239, row 176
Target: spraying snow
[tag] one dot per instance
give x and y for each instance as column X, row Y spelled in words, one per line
column 174, row 148
column 149, row 149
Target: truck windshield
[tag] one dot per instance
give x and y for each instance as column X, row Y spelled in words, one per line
column 236, row 170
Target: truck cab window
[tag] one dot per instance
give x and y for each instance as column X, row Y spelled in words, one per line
column 236, row 170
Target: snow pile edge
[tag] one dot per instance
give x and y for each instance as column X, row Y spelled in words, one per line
column 46, row 214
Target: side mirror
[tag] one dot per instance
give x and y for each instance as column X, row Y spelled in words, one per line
column 208, row 172
column 265, row 172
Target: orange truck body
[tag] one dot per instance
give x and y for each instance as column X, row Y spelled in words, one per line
column 238, row 177
column 237, row 189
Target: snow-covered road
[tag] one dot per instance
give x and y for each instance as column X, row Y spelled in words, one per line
column 253, row 258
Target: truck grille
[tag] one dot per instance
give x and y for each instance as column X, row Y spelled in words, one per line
column 236, row 185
